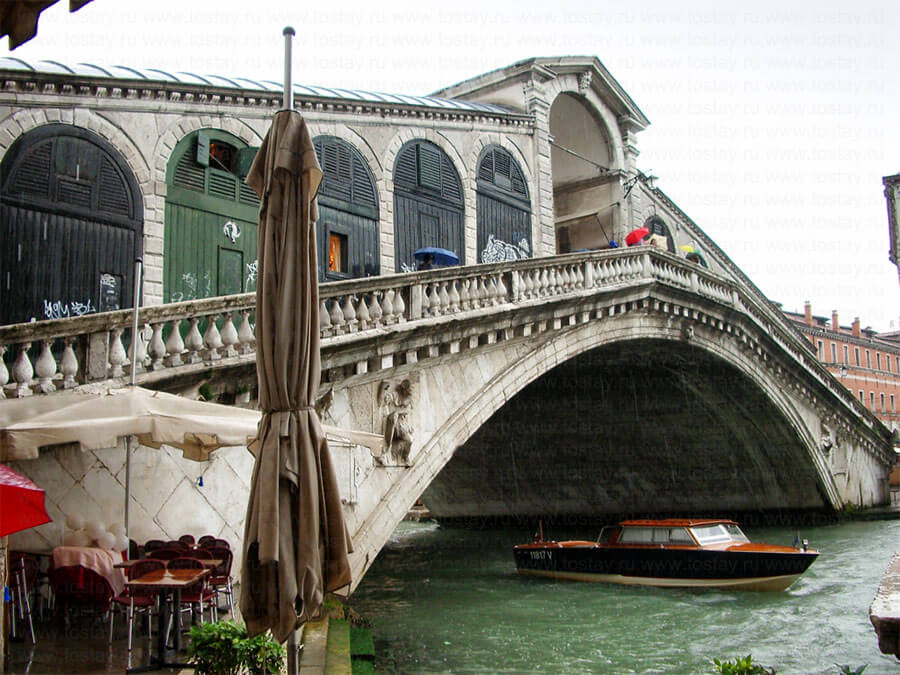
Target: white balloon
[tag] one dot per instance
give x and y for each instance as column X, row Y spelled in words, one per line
column 107, row 540
column 75, row 521
column 118, row 529
column 95, row 529
column 121, row 543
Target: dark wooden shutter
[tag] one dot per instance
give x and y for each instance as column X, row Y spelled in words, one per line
column 503, row 208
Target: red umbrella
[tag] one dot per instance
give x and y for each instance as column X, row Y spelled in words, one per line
column 21, row 503
column 635, row 236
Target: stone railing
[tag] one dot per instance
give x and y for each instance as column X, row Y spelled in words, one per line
column 47, row 356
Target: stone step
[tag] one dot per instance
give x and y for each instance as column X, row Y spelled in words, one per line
column 337, row 658
column 315, row 639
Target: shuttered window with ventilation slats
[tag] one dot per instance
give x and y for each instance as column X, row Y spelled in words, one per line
column 71, row 223
column 428, row 203
column 503, row 208
column 348, row 211
column 210, row 220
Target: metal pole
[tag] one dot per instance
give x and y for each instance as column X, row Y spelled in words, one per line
column 138, row 266
column 138, row 263
column 288, row 99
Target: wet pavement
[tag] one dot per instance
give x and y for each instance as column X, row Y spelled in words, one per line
column 81, row 645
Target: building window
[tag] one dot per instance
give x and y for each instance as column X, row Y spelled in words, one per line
column 856, row 352
column 883, row 409
column 337, row 252
column 878, row 360
column 846, row 358
column 868, row 359
column 833, row 353
column 861, row 396
column 872, row 401
column 821, row 351
column 893, row 407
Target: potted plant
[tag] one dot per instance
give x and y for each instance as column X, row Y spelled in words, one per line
column 224, row 648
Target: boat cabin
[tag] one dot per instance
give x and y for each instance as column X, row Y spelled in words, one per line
column 673, row 532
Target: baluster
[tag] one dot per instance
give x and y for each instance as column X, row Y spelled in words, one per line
column 565, row 284
column 212, row 340
column 45, row 368
column 138, row 342
column 465, row 300
column 502, row 291
column 245, row 333
column 543, row 283
column 553, row 275
column 157, row 348
column 194, row 341
column 22, row 371
column 68, row 365
column 229, row 336
column 444, row 297
column 478, row 293
column 375, row 309
column 325, row 329
column 337, row 317
column 434, row 301
column 387, row 306
column 493, row 291
column 365, row 319
column 399, row 306
column 4, row 373
column 454, row 296
column 528, row 283
column 350, row 313
column 117, row 356
column 174, row 345
column 581, row 281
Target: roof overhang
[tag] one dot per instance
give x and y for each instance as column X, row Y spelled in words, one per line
column 591, row 72
column 891, row 189
column 19, row 18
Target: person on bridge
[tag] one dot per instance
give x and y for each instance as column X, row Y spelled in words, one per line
column 427, row 263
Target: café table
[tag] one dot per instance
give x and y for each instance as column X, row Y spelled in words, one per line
column 167, row 582
column 127, row 564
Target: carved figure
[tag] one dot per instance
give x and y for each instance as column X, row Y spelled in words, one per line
column 396, row 405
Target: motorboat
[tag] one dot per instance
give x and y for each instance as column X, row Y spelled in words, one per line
column 672, row 552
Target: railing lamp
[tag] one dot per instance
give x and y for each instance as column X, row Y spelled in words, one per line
column 629, row 184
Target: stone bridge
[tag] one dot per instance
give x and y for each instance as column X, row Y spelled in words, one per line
column 579, row 385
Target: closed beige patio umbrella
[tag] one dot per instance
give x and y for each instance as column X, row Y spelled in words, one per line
column 295, row 540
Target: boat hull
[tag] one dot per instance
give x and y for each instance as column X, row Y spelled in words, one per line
column 684, row 568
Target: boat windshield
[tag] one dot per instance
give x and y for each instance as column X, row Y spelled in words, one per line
column 718, row 533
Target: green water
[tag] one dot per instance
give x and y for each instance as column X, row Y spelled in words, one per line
column 449, row 600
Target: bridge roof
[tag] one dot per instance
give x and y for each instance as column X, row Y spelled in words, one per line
column 90, row 70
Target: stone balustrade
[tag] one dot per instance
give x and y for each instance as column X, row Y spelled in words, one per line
column 46, row 356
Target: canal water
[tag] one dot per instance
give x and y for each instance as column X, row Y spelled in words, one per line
column 449, row 600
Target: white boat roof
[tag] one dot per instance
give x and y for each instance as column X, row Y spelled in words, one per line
column 12, row 63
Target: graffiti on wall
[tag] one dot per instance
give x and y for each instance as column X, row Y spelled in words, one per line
column 57, row 309
column 498, row 250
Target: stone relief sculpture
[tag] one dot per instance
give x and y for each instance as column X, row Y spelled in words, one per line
column 395, row 401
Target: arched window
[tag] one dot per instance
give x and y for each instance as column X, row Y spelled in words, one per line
column 211, row 218
column 428, row 203
column 71, row 223
column 347, row 229
column 503, row 209
column 659, row 233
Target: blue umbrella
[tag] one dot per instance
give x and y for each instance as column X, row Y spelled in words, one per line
column 439, row 256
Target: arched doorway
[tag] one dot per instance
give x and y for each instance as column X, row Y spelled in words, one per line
column 503, row 208
column 211, row 218
column 659, row 233
column 347, row 229
column 71, row 223
column 584, row 183
column 428, row 203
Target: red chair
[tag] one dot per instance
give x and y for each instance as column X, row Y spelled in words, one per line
column 206, row 540
column 178, row 545
column 165, row 554
column 201, row 554
column 221, row 542
column 136, row 599
column 187, row 539
column 220, row 577
column 199, row 595
column 153, row 545
column 79, row 587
